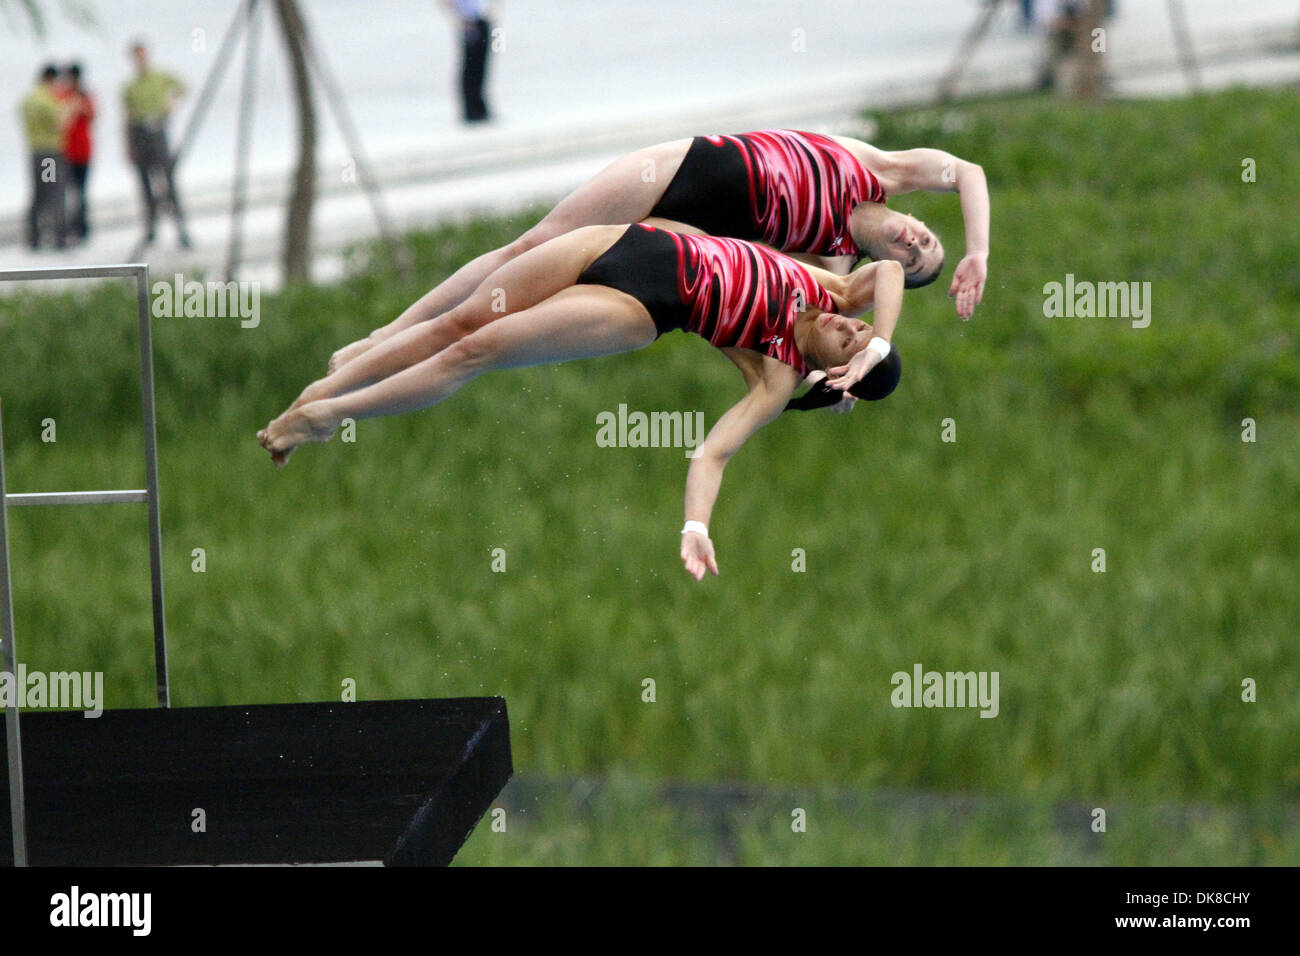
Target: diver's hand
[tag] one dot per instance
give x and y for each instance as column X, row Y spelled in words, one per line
column 968, row 283
column 844, row 377
column 697, row 555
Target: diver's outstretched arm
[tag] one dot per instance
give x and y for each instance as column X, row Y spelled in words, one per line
column 765, row 400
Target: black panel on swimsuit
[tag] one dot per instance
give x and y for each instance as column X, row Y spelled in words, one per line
column 643, row 263
column 711, row 192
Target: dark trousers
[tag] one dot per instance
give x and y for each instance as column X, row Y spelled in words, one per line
column 153, row 161
column 477, row 36
column 47, row 215
column 77, row 175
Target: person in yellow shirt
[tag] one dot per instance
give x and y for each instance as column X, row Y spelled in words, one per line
column 42, row 117
column 149, row 99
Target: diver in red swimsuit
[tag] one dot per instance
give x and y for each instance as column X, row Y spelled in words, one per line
column 732, row 293
column 601, row 290
column 802, row 193
column 795, row 192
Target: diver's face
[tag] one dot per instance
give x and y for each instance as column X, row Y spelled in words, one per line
column 913, row 244
column 905, row 239
column 836, row 338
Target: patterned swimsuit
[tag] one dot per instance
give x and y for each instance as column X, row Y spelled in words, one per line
column 793, row 191
column 733, row 293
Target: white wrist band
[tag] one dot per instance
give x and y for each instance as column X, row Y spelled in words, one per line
column 699, row 527
column 881, row 346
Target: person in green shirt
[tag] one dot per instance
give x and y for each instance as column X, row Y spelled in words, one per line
column 42, row 117
column 149, row 99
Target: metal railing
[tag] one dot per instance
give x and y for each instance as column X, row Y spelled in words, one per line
column 147, row 496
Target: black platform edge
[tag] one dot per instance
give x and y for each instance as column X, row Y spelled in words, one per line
column 404, row 782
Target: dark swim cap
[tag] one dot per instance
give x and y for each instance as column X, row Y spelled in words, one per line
column 879, row 383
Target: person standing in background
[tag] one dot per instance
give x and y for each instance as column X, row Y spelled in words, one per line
column 149, row 100
column 473, row 19
column 80, row 114
column 42, row 117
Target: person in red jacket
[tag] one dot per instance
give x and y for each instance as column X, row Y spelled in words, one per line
column 80, row 115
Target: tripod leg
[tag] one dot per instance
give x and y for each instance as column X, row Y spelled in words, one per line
column 343, row 118
column 239, row 23
column 243, row 141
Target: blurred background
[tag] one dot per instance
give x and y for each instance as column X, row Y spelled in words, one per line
column 573, row 84
column 1168, row 158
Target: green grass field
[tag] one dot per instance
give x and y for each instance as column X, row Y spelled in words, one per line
column 372, row 560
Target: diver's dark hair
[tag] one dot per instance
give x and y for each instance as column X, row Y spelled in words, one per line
column 878, row 384
column 916, row 280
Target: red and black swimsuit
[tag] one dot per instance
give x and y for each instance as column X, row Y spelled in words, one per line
column 732, row 293
column 793, row 191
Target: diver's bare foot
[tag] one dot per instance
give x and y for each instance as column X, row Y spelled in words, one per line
column 346, row 354
column 310, row 423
